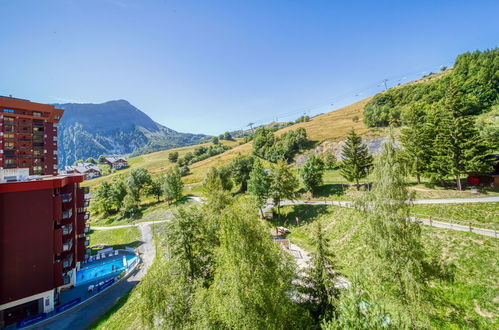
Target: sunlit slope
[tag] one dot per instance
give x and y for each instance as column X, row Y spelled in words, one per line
column 333, row 125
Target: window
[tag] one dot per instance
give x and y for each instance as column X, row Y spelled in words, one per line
column 9, row 120
column 9, row 162
column 37, row 114
column 8, row 110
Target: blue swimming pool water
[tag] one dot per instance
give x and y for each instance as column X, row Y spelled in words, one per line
column 102, row 269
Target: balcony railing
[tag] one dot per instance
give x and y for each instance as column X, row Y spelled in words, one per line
column 67, row 214
column 66, row 198
column 67, row 245
column 67, row 229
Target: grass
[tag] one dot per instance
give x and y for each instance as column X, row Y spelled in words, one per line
column 125, row 314
column 470, row 301
column 116, row 238
column 483, row 213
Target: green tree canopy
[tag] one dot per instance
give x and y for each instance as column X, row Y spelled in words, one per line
column 173, row 156
column 240, row 169
column 259, row 185
column 356, row 159
column 172, row 185
column 283, row 183
column 312, row 173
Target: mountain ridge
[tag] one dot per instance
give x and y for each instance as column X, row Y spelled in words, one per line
column 113, row 127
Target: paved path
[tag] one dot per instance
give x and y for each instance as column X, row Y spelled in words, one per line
column 87, row 314
column 438, row 224
column 457, row 200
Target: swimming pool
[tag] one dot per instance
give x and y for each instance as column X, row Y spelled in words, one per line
column 102, row 269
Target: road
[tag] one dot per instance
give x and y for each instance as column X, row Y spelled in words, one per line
column 87, row 314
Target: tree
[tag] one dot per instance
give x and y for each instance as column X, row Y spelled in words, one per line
column 172, row 185
column 155, row 188
column 322, row 275
column 329, row 160
column 458, row 148
column 130, row 208
column 356, row 159
column 218, row 176
column 227, row 136
column 283, row 183
column 417, row 139
column 214, row 140
column 398, row 257
column 101, row 159
column 173, row 156
column 118, row 193
column 311, row 174
column 259, row 185
column 240, row 169
column 91, row 160
column 252, row 278
column 103, row 197
column 136, row 180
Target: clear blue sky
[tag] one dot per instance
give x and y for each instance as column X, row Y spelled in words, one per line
column 211, row 66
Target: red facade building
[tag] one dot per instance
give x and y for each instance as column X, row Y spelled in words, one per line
column 28, row 135
column 42, row 226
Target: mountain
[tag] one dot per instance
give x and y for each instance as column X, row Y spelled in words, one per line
column 114, row 127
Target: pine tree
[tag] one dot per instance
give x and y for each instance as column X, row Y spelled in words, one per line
column 312, row 173
column 458, row 148
column 398, row 257
column 321, row 279
column 417, row 139
column 283, row 183
column 356, row 159
column 259, row 185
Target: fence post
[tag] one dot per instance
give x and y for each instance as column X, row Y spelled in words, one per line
column 431, row 221
column 495, row 231
column 470, row 226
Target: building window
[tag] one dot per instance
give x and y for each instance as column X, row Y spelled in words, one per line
column 37, row 114
column 8, row 110
column 9, row 162
column 9, row 120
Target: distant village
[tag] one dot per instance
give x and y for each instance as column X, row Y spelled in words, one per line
column 93, row 170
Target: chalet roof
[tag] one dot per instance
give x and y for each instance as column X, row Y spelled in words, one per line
column 115, row 159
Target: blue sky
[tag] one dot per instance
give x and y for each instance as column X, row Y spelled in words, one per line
column 211, row 66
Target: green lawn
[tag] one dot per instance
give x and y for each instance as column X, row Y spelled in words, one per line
column 470, row 301
column 125, row 314
column 116, row 238
column 483, row 213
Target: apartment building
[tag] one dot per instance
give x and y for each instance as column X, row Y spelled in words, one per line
column 28, row 135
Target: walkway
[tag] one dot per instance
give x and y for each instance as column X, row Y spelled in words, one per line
column 438, row 224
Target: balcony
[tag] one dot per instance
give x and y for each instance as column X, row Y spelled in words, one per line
column 67, row 229
column 67, row 245
column 66, row 198
column 68, row 261
column 66, row 279
column 67, row 214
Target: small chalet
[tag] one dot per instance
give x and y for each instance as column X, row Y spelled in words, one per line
column 116, row 162
column 487, row 179
column 90, row 170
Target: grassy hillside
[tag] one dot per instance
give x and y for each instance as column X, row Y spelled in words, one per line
column 333, row 125
column 470, row 301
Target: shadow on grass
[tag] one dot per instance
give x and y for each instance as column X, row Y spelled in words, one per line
column 299, row 215
column 333, row 189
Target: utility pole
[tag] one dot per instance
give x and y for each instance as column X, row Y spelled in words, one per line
column 251, row 126
column 384, row 82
